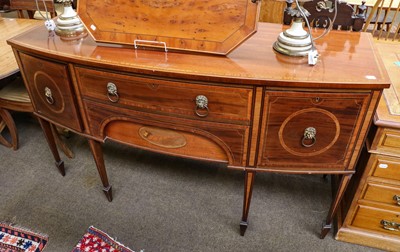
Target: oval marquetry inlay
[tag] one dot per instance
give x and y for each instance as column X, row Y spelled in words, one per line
column 162, row 137
column 325, row 123
column 42, row 81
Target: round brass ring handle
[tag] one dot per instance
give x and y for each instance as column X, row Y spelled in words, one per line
column 48, row 95
column 112, row 92
column 201, row 104
column 397, row 199
column 389, row 225
column 310, row 133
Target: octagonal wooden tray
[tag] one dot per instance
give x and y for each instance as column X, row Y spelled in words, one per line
column 211, row 26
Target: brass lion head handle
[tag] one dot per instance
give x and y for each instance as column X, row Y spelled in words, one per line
column 112, row 92
column 309, row 137
column 49, row 95
column 201, row 106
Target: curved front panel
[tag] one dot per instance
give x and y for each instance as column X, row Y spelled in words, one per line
column 180, row 137
column 314, row 131
column 50, row 91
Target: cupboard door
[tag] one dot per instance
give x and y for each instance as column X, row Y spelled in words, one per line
column 310, row 131
column 51, row 91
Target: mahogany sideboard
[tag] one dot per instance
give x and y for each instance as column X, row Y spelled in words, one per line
column 254, row 109
column 373, row 218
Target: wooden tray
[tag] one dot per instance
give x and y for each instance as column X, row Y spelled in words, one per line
column 211, row 26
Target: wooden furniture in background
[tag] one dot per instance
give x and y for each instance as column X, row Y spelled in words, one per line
column 13, row 97
column 255, row 110
column 272, row 11
column 322, row 13
column 216, row 26
column 13, row 94
column 9, row 28
column 4, row 5
column 30, row 7
column 384, row 13
column 374, row 215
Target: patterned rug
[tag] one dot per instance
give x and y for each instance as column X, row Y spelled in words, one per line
column 96, row 240
column 14, row 239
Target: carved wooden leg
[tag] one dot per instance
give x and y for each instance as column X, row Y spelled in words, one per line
column 248, row 189
column 46, row 127
column 97, row 153
column 8, row 121
column 326, row 227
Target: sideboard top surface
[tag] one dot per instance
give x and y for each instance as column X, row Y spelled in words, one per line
column 347, row 60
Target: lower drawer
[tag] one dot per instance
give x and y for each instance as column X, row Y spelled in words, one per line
column 380, row 220
column 175, row 136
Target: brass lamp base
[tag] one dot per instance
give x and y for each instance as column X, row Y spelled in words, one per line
column 295, row 41
column 68, row 24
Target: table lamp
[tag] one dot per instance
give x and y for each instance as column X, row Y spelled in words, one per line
column 68, row 24
column 295, row 41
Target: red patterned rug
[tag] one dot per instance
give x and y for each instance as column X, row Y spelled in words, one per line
column 14, row 239
column 96, row 240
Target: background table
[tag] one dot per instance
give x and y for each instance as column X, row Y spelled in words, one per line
column 10, row 27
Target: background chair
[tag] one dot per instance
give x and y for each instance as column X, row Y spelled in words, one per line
column 385, row 13
column 30, row 7
column 322, row 13
column 15, row 97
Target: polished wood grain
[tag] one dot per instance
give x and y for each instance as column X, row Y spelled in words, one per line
column 255, row 60
column 288, row 114
column 225, row 104
column 155, row 106
column 51, row 91
column 10, row 27
column 214, row 26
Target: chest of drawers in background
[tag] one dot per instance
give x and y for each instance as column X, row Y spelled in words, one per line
column 373, row 218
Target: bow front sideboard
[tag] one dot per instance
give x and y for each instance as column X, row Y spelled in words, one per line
column 254, row 109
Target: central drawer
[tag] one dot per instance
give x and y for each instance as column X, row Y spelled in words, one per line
column 181, row 137
column 189, row 100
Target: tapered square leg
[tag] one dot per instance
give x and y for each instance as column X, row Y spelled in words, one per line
column 97, row 153
column 248, row 189
column 46, row 127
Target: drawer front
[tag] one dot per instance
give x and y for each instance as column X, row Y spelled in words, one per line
column 384, row 193
column 379, row 220
column 51, row 91
column 386, row 167
column 389, row 141
column 316, row 131
column 181, row 137
column 224, row 104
